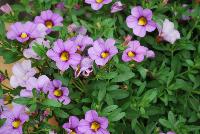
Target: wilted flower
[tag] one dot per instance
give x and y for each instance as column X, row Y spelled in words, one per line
column 93, row 124
column 21, row 73
column 127, row 39
column 140, row 21
column 116, row 7
column 2, row 77
column 15, row 119
column 134, row 52
column 60, row 5
column 72, row 126
column 102, row 51
column 25, row 31
column 167, row 32
column 97, row 4
column 49, row 19
column 73, row 28
column 85, row 67
column 57, row 92
column 82, row 41
column 64, row 54
column 29, row 53
column 6, row 8
column 39, row 84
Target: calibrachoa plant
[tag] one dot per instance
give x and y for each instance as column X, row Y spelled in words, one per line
column 100, row 67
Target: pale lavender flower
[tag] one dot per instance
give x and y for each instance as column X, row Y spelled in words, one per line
column 58, row 92
column 141, row 21
column 15, row 119
column 93, row 124
column 85, row 67
column 21, row 73
column 64, row 54
column 72, row 126
column 116, row 7
column 49, row 19
column 150, row 54
column 134, row 52
column 26, row 31
column 102, row 51
column 38, row 83
column 81, row 42
column 97, row 4
column 167, row 32
column 170, row 132
column 73, row 28
column 6, row 8
column 29, row 53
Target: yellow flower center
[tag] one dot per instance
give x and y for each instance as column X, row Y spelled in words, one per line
column 23, row 35
column 72, row 132
column 78, row 47
column 64, row 56
column 49, row 24
column 131, row 54
column 57, row 92
column 104, row 55
column 142, row 21
column 99, row 1
column 16, row 123
column 95, row 126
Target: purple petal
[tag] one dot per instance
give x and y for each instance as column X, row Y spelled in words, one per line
column 139, row 31
column 147, row 13
column 137, row 11
column 91, row 115
column 131, row 21
column 151, row 26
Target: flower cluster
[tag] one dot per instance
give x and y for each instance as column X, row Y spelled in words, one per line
column 91, row 124
column 61, row 58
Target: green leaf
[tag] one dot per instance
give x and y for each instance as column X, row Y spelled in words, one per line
column 123, row 77
column 110, row 108
column 101, row 94
column 117, row 117
column 119, row 94
column 165, row 123
column 24, row 101
column 51, row 103
column 39, row 50
column 60, row 113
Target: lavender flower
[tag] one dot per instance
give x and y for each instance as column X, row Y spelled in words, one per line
column 116, row 7
column 73, row 28
column 15, row 119
column 49, row 19
column 93, row 124
column 85, row 67
column 64, row 54
column 6, row 8
column 82, row 41
column 57, row 92
column 102, row 51
column 134, row 52
column 21, row 73
column 25, row 31
column 72, row 126
column 29, row 53
column 39, row 84
column 97, row 4
column 150, row 54
column 167, row 32
column 140, row 21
